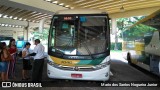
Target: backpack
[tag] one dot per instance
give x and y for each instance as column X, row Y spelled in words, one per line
column 20, row 54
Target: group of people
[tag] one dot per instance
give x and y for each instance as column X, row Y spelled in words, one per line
column 8, row 58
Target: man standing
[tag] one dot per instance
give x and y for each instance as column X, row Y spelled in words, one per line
column 38, row 54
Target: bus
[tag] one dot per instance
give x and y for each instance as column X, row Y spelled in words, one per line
column 143, row 50
column 79, row 45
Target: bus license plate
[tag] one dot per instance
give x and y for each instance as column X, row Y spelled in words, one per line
column 76, row 75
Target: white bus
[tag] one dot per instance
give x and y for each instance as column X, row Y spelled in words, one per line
column 79, row 45
column 144, row 50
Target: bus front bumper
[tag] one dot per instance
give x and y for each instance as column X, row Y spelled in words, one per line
column 97, row 75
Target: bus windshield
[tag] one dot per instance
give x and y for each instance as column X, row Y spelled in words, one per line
column 78, row 35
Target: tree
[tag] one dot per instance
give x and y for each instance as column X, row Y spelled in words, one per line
column 43, row 36
column 137, row 31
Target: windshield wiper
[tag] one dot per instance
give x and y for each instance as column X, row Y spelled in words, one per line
column 58, row 52
column 86, row 47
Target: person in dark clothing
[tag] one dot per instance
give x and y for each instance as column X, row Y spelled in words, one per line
column 38, row 63
column 26, row 61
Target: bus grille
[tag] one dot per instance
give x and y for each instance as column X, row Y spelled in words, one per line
column 71, row 68
column 79, row 68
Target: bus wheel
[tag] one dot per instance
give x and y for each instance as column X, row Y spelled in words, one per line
column 129, row 58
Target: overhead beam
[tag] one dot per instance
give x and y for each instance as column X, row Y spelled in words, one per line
column 25, row 13
column 3, row 9
column 99, row 3
column 13, row 22
column 11, row 28
column 31, row 24
column 142, row 5
column 8, row 11
column 34, row 16
column 28, row 15
column 37, row 5
column 127, row 8
column 137, row 12
column 113, row 4
column 20, row 23
column 14, row 12
column 19, row 12
column 9, row 31
column 40, row 17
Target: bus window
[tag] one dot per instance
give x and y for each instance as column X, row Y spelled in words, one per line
column 147, row 38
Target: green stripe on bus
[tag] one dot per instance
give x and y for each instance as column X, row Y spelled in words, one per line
column 91, row 62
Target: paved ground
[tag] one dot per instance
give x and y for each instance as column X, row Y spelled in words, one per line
column 119, row 67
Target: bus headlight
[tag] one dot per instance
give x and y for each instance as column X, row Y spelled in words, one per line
column 52, row 63
column 102, row 65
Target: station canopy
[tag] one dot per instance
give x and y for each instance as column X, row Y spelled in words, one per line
column 152, row 20
column 17, row 13
column 25, row 9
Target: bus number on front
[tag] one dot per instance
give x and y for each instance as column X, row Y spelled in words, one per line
column 67, row 18
column 66, row 62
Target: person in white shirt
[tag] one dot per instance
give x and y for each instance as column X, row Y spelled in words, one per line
column 26, row 61
column 38, row 63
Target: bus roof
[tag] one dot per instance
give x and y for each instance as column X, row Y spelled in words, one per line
column 151, row 20
column 81, row 11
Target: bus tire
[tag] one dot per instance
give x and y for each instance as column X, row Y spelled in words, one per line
column 129, row 58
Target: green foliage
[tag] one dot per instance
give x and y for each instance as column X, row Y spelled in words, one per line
column 42, row 36
column 136, row 32
column 119, row 46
